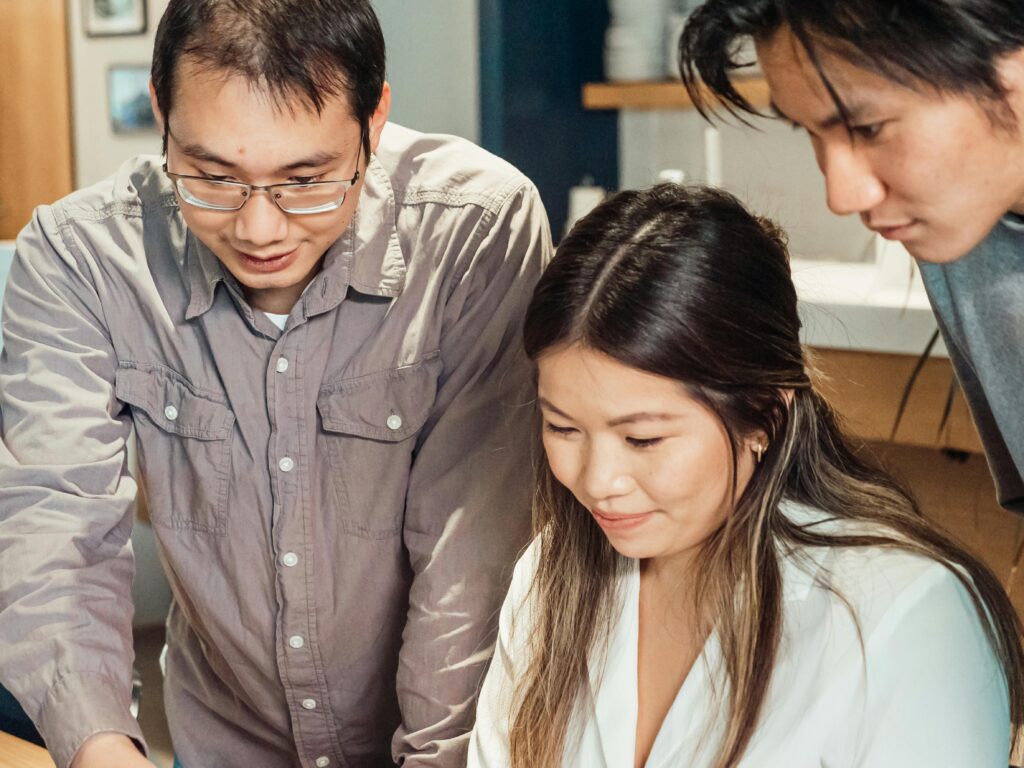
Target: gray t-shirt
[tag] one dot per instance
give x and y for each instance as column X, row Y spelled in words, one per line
column 979, row 303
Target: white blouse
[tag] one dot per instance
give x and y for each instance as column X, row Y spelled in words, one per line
column 925, row 691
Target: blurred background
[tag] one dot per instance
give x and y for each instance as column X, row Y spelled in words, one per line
column 582, row 96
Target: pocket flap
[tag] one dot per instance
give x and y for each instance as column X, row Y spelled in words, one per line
column 389, row 405
column 173, row 404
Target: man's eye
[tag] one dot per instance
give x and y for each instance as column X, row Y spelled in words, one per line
column 645, row 442
column 211, row 177
column 306, row 179
column 869, row 131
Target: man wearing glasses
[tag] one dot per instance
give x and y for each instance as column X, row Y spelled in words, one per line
column 310, row 318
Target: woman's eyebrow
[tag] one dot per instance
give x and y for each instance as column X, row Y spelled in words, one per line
column 643, row 416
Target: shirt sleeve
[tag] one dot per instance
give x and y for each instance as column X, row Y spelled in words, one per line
column 936, row 696
column 65, row 500
column 471, row 484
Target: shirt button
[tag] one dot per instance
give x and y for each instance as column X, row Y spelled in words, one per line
column 394, row 422
column 323, row 762
column 282, row 364
column 171, row 413
column 290, row 559
column 296, row 641
column 309, row 703
column 286, row 464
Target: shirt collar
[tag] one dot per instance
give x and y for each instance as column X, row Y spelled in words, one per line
column 368, row 256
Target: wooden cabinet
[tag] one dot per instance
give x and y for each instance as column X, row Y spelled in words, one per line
column 866, row 389
column 35, row 109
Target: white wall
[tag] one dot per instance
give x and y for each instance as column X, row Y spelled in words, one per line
column 98, row 150
column 434, row 64
column 770, row 167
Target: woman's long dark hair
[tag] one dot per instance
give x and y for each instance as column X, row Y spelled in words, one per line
column 685, row 283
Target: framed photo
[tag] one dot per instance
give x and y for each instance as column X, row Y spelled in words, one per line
column 128, row 98
column 114, row 17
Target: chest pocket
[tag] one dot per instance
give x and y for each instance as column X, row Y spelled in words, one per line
column 369, row 425
column 184, row 438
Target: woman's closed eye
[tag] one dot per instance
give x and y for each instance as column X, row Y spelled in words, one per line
column 555, row 429
column 643, row 442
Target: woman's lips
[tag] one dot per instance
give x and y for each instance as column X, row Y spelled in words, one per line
column 273, row 263
column 614, row 522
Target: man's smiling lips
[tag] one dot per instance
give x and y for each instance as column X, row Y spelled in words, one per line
column 268, row 263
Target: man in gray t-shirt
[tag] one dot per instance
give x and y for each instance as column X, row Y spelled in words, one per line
column 917, row 122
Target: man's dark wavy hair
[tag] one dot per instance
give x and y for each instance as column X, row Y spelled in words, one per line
column 953, row 46
column 310, row 49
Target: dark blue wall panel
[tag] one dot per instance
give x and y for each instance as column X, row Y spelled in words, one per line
column 535, row 57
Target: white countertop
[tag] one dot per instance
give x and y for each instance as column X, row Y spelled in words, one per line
column 871, row 307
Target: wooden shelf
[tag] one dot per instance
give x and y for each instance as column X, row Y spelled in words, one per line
column 667, row 94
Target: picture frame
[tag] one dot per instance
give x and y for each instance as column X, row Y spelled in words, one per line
column 128, row 103
column 107, row 18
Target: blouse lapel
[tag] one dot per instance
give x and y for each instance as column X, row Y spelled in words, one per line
column 613, row 684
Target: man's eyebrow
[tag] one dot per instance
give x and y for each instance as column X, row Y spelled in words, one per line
column 199, row 152
column 834, row 119
column 317, row 159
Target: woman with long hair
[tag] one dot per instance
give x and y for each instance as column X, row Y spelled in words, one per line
column 718, row 578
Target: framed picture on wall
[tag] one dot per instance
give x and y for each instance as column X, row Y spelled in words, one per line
column 128, row 98
column 114, row 17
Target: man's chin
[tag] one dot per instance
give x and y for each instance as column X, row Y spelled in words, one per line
column 933, row 251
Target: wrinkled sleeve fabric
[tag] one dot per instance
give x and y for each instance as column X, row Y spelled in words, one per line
column 65, row 499
column 935, row 694
column 489, row 744
column 469, row 494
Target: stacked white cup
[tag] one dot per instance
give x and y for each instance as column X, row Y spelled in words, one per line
column 634, row 47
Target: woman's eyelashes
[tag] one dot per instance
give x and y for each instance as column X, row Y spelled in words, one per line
column 634, row 442
column 555, row 429
column 643, row 442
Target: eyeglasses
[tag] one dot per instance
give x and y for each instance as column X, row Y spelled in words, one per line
column 298, row 197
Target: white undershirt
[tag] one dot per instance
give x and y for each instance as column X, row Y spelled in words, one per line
column 278, row 320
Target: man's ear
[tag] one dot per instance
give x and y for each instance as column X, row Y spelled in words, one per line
column 1011, row 74
column 157, row 114
column 380, row 116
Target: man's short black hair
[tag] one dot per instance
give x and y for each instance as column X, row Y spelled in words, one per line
column 310, row 49
column 953, row 46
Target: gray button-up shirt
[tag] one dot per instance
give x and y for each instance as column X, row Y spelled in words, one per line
column 338, row 504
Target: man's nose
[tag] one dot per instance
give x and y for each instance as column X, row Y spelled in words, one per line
column 260, row 222
column 851, row 185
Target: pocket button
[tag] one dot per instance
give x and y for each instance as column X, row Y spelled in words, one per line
column 394, row 422
column 171, row 413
